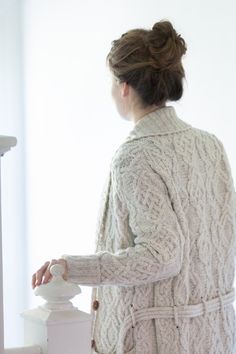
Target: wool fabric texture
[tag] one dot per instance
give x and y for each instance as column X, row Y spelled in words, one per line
column 165, row 238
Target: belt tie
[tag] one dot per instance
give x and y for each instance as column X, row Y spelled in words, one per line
column 176, row 312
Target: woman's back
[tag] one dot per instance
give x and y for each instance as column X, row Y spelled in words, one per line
column 195, row 163
column 171, row 189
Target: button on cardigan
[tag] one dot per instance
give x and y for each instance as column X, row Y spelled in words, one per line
column 165, row 238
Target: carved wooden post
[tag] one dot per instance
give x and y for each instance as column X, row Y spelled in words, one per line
column 57, row 326
column 6, row 142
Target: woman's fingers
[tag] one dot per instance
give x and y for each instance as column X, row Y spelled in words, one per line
column 37, row 277
column 47, row 274
column 33, row 281
column 43, row 274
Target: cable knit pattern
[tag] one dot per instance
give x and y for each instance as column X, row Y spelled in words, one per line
column 166, row 237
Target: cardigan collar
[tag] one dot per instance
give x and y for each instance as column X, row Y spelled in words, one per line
column 159, row 122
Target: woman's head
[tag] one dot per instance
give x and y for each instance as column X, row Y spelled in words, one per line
column 148, row 62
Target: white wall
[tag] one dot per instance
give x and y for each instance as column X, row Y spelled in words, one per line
column 13, row 178
column 72, row 126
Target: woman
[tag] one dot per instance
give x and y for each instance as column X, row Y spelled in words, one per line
column 163, row 269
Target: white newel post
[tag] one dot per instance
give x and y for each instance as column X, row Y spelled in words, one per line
column 6, row 142
column 57, row 326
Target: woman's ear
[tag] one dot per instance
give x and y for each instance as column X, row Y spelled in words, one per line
column 124, row 89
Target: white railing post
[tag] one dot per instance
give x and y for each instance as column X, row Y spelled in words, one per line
column 57, row 326
column 6, row 142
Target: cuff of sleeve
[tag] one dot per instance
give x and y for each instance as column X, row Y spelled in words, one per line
column 84, row 270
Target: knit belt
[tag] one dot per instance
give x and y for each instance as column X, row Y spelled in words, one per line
column 176, row 312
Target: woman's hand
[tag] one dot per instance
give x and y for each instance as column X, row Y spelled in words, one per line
column 43, row 274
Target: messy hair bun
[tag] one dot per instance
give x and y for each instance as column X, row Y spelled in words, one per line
column 166, row 46
column 150, row 61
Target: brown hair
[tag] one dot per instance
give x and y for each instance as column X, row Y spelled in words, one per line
column 150, row 62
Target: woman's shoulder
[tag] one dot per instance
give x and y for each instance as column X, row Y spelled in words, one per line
column 212, row 142
column 128, row 152
column 206, row 135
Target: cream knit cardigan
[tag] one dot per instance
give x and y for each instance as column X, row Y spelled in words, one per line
column 165, row 237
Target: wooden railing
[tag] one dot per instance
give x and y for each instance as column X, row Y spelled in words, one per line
column 56, row 327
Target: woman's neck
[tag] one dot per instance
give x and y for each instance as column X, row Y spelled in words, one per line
column 135, row 116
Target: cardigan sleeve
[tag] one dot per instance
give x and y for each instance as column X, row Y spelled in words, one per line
column 224, row 160
column 158, row 241
column 235, row 224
